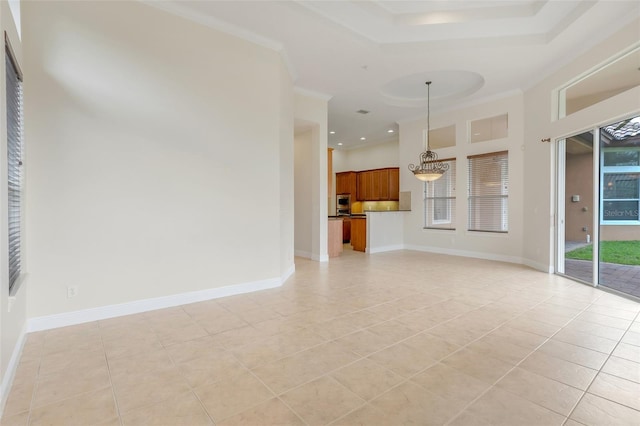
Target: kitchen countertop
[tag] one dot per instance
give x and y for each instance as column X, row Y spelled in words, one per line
column 376, row 211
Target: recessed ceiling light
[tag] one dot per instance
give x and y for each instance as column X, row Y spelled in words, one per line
column 332, row 132
column 363, row 138
column 339, row 143
column 390, row 131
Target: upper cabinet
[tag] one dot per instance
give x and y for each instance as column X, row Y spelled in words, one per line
column 346, row 183
column 394, row 184
column 379, row 185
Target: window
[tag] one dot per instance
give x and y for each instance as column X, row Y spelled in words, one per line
column 489, row 192
column 14, row 161
column 621, row 187
column 620, row 173
column 440, row 200
column 488, row 129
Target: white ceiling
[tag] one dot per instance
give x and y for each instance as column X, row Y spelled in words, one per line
column 376, row 55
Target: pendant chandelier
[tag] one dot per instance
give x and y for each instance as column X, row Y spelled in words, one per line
column 430, row 168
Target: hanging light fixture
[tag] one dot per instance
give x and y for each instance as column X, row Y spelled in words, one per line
column 430, row 168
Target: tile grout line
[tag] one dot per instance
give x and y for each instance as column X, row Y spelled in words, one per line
column 520, row 362
column 600, row 370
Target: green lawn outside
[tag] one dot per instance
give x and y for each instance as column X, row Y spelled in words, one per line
column 621, row 252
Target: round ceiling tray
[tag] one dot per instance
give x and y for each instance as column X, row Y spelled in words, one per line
column 446, row 85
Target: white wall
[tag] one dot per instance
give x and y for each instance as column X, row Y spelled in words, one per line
column 302, row 192
column 155, row 156
column 287, row 266
column 12, row 310
column 539, row 171
column 366, row 158
column 310, row 109
column 507, row 247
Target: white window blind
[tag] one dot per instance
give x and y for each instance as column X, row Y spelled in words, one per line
column 14, row 161
column 440, row 199
column 489, row 192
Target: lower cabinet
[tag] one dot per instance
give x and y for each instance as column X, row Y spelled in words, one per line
column 346, row 230
column 359, row 233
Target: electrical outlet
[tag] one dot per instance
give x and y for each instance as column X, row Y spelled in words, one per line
column 72, row 291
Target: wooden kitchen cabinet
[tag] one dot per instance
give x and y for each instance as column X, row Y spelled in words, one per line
column 359, row 233
column 346, row 183
column 394, row 184
column 365, row 186
column 346, row 230
column 379, row 185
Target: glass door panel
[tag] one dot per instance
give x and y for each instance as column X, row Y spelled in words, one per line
column 620, row 206
column 576, row 219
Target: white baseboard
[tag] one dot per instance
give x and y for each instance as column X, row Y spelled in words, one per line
column 111, row 311
column 385, row 248
column 12, row 367
column 466, row 253
column 302, row 253
column 320, row 257
column 538, row 266
column 287, row 274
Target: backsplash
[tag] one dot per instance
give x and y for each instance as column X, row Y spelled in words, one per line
column 365, row 206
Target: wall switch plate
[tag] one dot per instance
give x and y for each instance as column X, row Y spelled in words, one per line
column 575, row 198
column 72, row 291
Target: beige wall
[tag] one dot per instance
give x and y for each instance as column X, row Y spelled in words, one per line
column 507, row 247
column 310, row 110
column 540, row 109
column 12, row 310
column 285, row 169
column 579, row 181
column 366, row 158
column 302, row 193
column 158, row 156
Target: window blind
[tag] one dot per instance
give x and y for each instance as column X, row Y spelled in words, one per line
column 14, row 160
column 489, row 192
column 440, row 199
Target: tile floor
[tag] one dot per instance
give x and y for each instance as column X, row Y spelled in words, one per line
column 387, row 339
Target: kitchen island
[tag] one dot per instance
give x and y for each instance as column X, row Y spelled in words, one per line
column 377, row 231
column 334, row 240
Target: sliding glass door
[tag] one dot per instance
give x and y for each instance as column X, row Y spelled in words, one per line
column 575, row 206
column 619, row 206
column 599, row 206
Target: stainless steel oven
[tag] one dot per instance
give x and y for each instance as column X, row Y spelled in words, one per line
column 343, row 205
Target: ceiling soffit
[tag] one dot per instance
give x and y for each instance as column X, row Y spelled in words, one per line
column 391, row 22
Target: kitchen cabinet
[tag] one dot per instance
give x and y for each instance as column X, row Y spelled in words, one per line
column 378, row 185
column 346, row 183
column 394, row 184
column 359, row 233
column 346, row 230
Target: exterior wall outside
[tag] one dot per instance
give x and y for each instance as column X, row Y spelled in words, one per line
column 619, row 232
column 13, row 310
column 579, row 181
column 145, row 178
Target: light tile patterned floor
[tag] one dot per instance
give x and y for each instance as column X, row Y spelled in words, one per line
column 387, row 339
